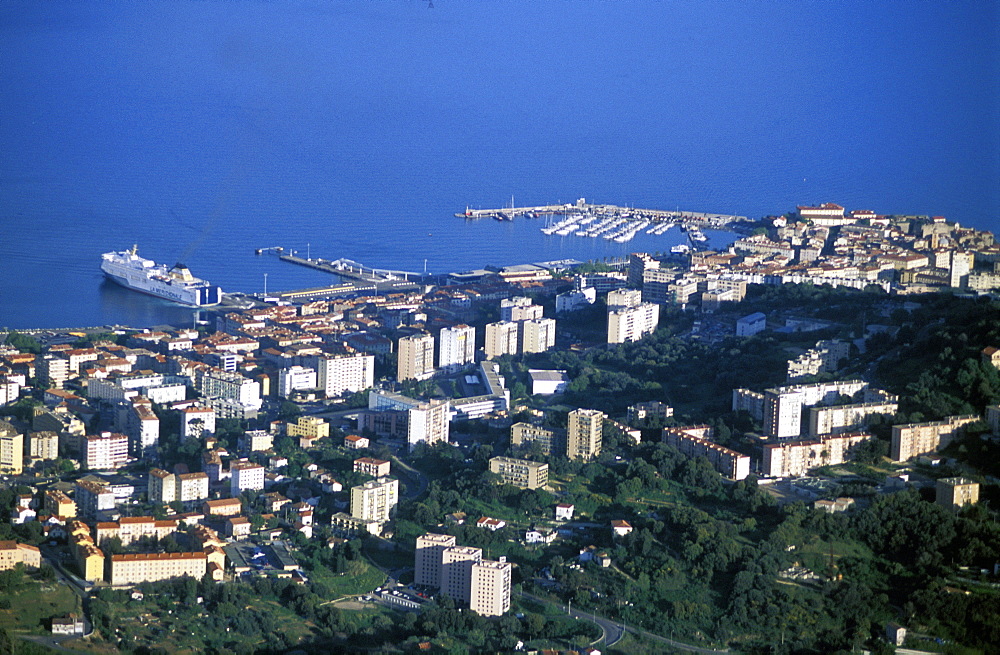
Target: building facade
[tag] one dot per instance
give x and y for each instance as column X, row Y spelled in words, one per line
column 522, row 473
column 415, row 357
column 457, row 347
column 584, row 433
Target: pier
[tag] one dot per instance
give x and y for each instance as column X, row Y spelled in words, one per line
column 359, row 279
column 581, row 206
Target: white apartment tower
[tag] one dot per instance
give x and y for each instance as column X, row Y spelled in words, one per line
column 501, row 339
column 583, row 433
column 457, row 347
column 490, row 592
column 519, row 308
column 375, row 500
column 632, row 323
column 415, row 357
column 538, row 335
column 340, row 374
column 429, row 556
column 197, row 422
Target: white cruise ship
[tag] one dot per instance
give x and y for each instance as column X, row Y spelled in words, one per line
column 176, row 284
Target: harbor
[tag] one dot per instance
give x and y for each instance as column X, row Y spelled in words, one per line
column 358, row 279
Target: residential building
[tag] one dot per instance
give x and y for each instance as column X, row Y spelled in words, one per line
column 501, row 339
column 11, row 450
column 132, row 569
column 490, row 587
column 415, row 357
column 564, row 512
column 576, row 299
column 394, row 415
column 296, row 378
column 222, row 507
column 429, row 557
column 621, row 528
column 309, row 427
column 345, row 373
column 377, row 468
column 624, row 299
column 546, row 383
column 252, row 441
column 197, row 422
column 93, row 499
column 915, row 439
column 355, row 442
column 192, row 487
column 956, row 493
column 233, row 387
column 537, row 335
column 161, row 487
column 456, row 572
column 550, row 441
column 348, row 526
column 519, row 308
column 131, row 529
column 653, row 410
column 13, row 553
column 457, row 347
column 52, row 370
column 521, row 473
column 142, row 427
column 638, row 264
column 375, row 500
column 838, row 419
column 783, row 405
column 106, row 451
column 584, row 433
column 245, row 475
column 632, row 323
column 43, row 445
column 692, row 443
column 751, row 324
column 59, row 504
column 795, row 458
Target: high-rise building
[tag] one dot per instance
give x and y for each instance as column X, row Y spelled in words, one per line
column 638, row 263
column 456, row 571
column 106, row 451
column 143, row 427
column 11, row 449
column 490, row 588
column 340, row 374
column 538, row 335
column 501, row 339
column 584, row 433
column 415, row 357
column 956, row 493
column 216, row 383
column 429, row 556
column 296, row 378
column 624, row 299
column 457, row 347
column 245, row 475
column 43, row 445
column 197, row 422
column 632, row 323
column 519, row 308
column 729, row 463
column 161, row 487
column 375, row 500
column 52, row 370
column 394, row 415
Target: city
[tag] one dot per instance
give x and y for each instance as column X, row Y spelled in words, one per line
column 688, row 452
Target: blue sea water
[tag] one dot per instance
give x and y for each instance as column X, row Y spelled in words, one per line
column 203, row 129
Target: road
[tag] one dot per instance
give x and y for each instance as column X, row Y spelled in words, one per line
column 613, row 631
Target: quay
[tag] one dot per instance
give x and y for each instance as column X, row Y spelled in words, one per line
column 346, row 268
column 705, row 219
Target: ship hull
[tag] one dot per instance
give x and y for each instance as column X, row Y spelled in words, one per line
column 145, row 276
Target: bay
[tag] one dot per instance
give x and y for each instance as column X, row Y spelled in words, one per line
column 202, row 130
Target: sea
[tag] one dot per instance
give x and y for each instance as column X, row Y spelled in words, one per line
column 203, row 130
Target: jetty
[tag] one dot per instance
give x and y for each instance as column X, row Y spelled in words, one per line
column 352, row 270
column 582, row 207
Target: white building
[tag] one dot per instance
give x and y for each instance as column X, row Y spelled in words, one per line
column 574, row 300
column 519, row 308
column 142, row 427
column 624, row 299
column 490, row 588
column 340, row 374
column 296, row 378
column 231, row 386
column 415, row 357
column 245, row 475
column 106, row 451
column 632, row 323
column 457, row 347
column 501, row 339
column 537, row 335
column 751, row 324
column 375, row 500
column 547, row 383
column 197, row 422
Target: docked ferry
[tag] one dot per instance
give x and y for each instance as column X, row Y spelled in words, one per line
column 176, row 284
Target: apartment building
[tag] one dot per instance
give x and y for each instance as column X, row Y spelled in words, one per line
column 245, row 475
column 346, row 373
column 161, row 487
column 43, row 445
column 550, row 441
column 501, row 339
column 415, row 357
column 795, row 458
column 632, row 323
column 192, row 487
column 519, row 308
column 106, row 451
column 296, row 378
column 59, row 504
column 490, row 587
column 652, row 410
column 310, row 427
column 142, row 427
column 377, row 468
column 456, row 571
column 624, row 299
column 13, row 553
column 130, row 529
column 216, row 383
column 132, row 569
column 838, row 419
column 11, row 450
column 457, row 347
column 252, row 441
column 375, row 500
column 521, row 473
column 956, row 493
column 783, row 405
column 584, row 433
column 694, row 442
column 394, row 415
column 914, row 439
column 197, row 422
column 537, row 335
column 93, row 498
column 428, row 558
column 52, row 370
